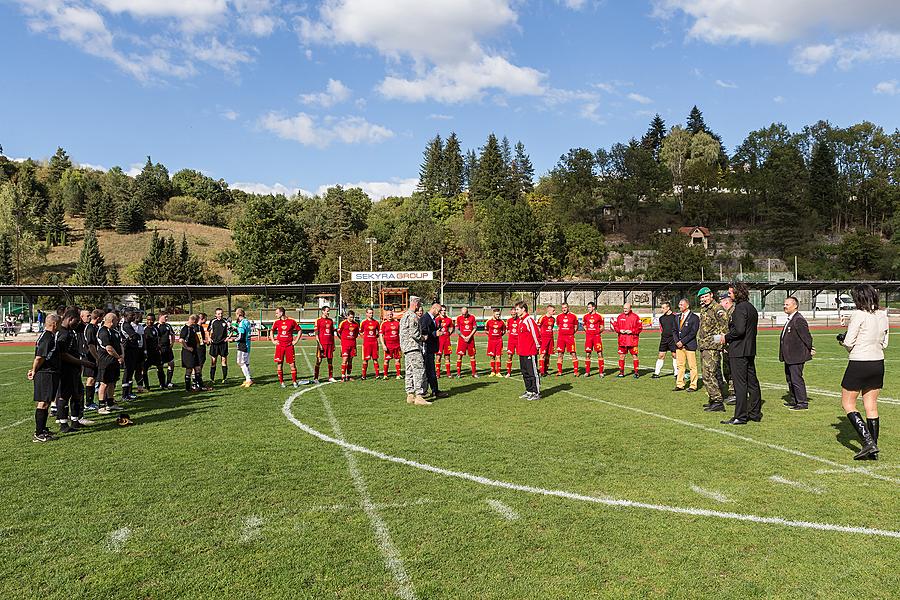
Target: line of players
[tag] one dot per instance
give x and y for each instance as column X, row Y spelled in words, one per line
column 384, row 336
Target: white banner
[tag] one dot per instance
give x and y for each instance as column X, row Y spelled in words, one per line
column 376, row 276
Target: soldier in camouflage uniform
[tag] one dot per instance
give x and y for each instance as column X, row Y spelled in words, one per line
column 713, row 321
column 725, row 383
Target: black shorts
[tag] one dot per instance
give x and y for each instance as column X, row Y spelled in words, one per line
column 190, row 360
column 89, row 371
column 69, row 382
column 133, row 357
column 153, row 360
column 667, row 345
column 863, row 375
column 166, row 355
column 109, row 372
column 218, row 349
column 46, row 386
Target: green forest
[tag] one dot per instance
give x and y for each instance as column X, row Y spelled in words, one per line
column 824, row 194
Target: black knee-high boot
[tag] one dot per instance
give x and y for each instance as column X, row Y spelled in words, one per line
column 869, row 448
column 872, row 426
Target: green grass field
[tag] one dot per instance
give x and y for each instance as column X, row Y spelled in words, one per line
column 613, row 488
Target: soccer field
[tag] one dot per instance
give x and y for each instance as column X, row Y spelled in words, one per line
column 612, row 488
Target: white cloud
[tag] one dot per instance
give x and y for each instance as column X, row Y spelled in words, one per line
column 265, row 189
column 166, row 8
column 311, row 131
column 728, row 85
column 135, row 169
column 639, row 98
column 224, row 57
column 335, row 93
column 85, row 165
column 229, row 114
column 778, row 99
column 808, row 60
column 589, row 111
column 573, row 4
column 440, row 41
column 378, row 190
column 890, row 88
column 440, row 117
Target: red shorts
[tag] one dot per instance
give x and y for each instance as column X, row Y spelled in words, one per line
column 511, row 345
column 445, row 348
column 628, row 349
column 348, row 349
column 593, row 342
column 325, row 351
column 547, row 345
column 370, row 351
column 565, row 344
column 284, row 354
column 495, row 347
column 394, row 353
column 465, row 347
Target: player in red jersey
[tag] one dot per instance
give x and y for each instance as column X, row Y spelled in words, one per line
column 466, row 326
column 390, row 341
column 566, row 326
column 285, row 334
column 324, row 332
column 546, row 325
column 445, row 345
column 628, row 325
column 348, row 331
column 593, row 341
column 370, row 329
column 512, row 328
column 495, row 328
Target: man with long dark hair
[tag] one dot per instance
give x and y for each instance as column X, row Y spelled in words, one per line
column 741, row 340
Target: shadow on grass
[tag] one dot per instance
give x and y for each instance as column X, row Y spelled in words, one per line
column 846, row 434
column 469, row 387
column 562, row 387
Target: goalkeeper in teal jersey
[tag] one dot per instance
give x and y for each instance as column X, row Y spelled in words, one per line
column 243, row 333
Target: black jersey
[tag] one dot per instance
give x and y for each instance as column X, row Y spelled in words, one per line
column 108, row 337
column 67, row 343
column 151, row 339
column 130, row 336
column 89, row 338
column 667, row 326
column 48, row 348
column 165, row 332
column 188, row 337
column 218, row 330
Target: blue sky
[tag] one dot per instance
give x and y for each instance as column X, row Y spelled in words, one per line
column 277, row 95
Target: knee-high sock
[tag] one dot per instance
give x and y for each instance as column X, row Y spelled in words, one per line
column 375, row 363
column 559, row 366
column 40, row 419
column 330, row 370
column 161, row 375
column 224, row 372
column 635, row 363
column 600, row 365
column 587, row 364
column 316, row 370
column 509, row 364
column 170, row 373
column 397, row 365
column 294, row 373
column 675, row 366
column 575, row 366
column 89, row 394
column 621, row 365
column 474, row 367
column 385, row 367
column 62, row 411
column 659, row 366
column 245, row 369
column 458, row 367
column 212, row 370
column 187, row 381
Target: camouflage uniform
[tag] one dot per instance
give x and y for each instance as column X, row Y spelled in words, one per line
column 724, row 373
column 713, row 321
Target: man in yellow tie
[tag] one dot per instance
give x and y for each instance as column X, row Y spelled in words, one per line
column 686, row 344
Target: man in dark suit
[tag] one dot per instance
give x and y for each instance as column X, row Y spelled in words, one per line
column 741, row 340
column 430, row 332
column 794, row 350
column 685, row 337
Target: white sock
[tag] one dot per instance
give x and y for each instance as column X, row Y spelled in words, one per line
column 246, row 371
column 675, row 367
column 659, row 365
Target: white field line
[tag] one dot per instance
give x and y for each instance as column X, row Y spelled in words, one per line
column 379, row 506
column 6, row 384
column 712, row 495
column 797, row 484
column 607, row 501
column 17, row 423
column 829, row 393
column 116, row 539
column 831, row 463
column 392, row 558
column 856, row 469
column 504, row 510
column 251, row 528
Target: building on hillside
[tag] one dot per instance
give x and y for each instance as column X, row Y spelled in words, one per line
column 699, row 236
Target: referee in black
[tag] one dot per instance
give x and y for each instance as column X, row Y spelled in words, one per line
column 218, row 344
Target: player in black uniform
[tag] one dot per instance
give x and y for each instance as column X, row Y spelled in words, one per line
column 152, row 356
column 190, row 355
column 166, row 340
column 218, row 344
column 70, row 398
column 45, row 374
column 132, row 349
column 89, row 354
column 111, row 359
column 203, row 336
column 666, row 339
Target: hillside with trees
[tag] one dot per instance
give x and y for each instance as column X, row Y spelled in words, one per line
column 824, row 194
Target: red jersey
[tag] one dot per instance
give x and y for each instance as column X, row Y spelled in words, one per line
column 465, row 325
column 495, row 329
column 284, row 330
column 567, row 324
column 325, row 331
column 348, row 331
column 391, row 331
column 546, row 324
column 529, row 341
column 512, row 326
column 369, row 331
column 630, row 322
column 593, row 323
column 445, row 324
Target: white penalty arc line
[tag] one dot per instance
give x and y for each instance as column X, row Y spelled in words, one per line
column 16, row 424
column 607, row 501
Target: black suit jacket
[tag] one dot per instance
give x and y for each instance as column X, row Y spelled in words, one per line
column 796, row 341
column 741, row 336
column 687, row 334
column 428, row 328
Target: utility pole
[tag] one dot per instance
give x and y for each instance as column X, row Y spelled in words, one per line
column 371, row 242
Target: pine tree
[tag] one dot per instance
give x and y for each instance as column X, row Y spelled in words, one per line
column 6, row 261
column 470, row 167
column 453, row 168
column 491, row 177
column 31, row 198
column 150, row 271
column 523, row 169
column 655, row 135
column 59, row 164
column 55, row 224
column 91, row 268
column 71, row 190
column 695, row 122
column 506, row 151
column 824, row 184
column 432, row 170
column 130, row 218
column 114, row 278
column 152, row 187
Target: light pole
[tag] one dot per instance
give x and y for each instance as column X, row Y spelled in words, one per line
column 371, row 242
